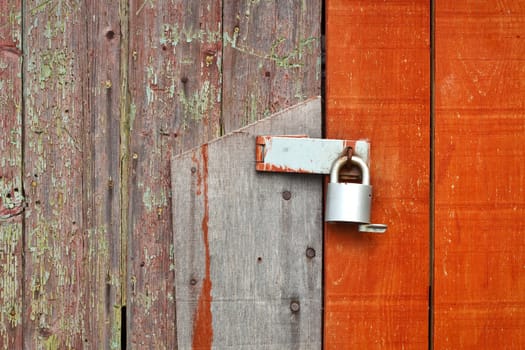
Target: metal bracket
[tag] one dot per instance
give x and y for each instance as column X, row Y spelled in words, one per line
column 300, row 154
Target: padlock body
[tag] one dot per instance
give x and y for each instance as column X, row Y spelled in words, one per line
column 348, row 202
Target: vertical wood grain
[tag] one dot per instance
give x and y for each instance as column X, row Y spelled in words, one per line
column 54, row 294
column 480, row 196
column 177, row 101
column 271, row 58
column 11, row 191
column 174, row 83
column 376, row 286
column 101, row 173
column 71, row 175
column 241, row 247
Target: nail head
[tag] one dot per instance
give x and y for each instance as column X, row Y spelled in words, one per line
column 295, row 306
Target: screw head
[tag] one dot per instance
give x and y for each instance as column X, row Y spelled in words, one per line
column 193, row 170
column 310, row 252
column 295, row 306
column 287, row 195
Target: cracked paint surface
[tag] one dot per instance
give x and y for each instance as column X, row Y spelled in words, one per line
column 99, row 127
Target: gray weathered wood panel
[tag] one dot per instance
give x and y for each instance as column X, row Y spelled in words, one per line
column 240, row 246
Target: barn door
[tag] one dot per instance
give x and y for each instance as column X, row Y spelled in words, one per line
column 438, row 90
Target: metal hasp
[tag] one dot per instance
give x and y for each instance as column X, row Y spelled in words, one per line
column 345, row 202
column 301, row 154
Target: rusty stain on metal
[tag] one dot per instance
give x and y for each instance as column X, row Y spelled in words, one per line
column 280, row 169
column 202, row 326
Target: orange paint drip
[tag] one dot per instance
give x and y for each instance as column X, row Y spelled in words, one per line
column 202, row 325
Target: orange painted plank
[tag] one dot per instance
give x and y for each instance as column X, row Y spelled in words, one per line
column 378, row 64
column 480, row 195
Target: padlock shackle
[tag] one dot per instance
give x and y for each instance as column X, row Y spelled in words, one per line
column 360, row 163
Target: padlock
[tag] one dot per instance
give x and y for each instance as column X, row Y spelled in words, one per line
column 349, row 202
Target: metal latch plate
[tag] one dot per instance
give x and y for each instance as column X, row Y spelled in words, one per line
column 300, row 154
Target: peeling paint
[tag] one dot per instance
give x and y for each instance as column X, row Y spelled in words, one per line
column 200, row 104
column 288, row 59
column 52, row 343
column 153, row 199
column 60, row 247
column 173, row 35
column 56, row 66
column 116, row 329
column 11, row 306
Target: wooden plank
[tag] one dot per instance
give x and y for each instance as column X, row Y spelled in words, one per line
column 102, row 174
column 11, row 206
column 54, row 294
column 242, row 241
column 71, row 172
column 271, row 58
column 174, row 84
column 378, row 64
column 480, row 197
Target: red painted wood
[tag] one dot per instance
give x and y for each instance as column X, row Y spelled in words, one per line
column 480, row 196
column 271, row 58
column 376, row 286
column 175, row 54
column 72, row 279
column 11, row 240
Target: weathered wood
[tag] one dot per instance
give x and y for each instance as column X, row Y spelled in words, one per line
column 480, row 193
column 241, row 260
column 174, row 80
column 177, row 99
column 102, row 174
column 71, row 175
column 54, row 293
column 271, row 58
column 11, row 204
column 376, row 286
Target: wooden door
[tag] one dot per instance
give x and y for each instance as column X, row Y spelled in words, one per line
column 95, row 98
column 479, row 269
column 439, row 93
